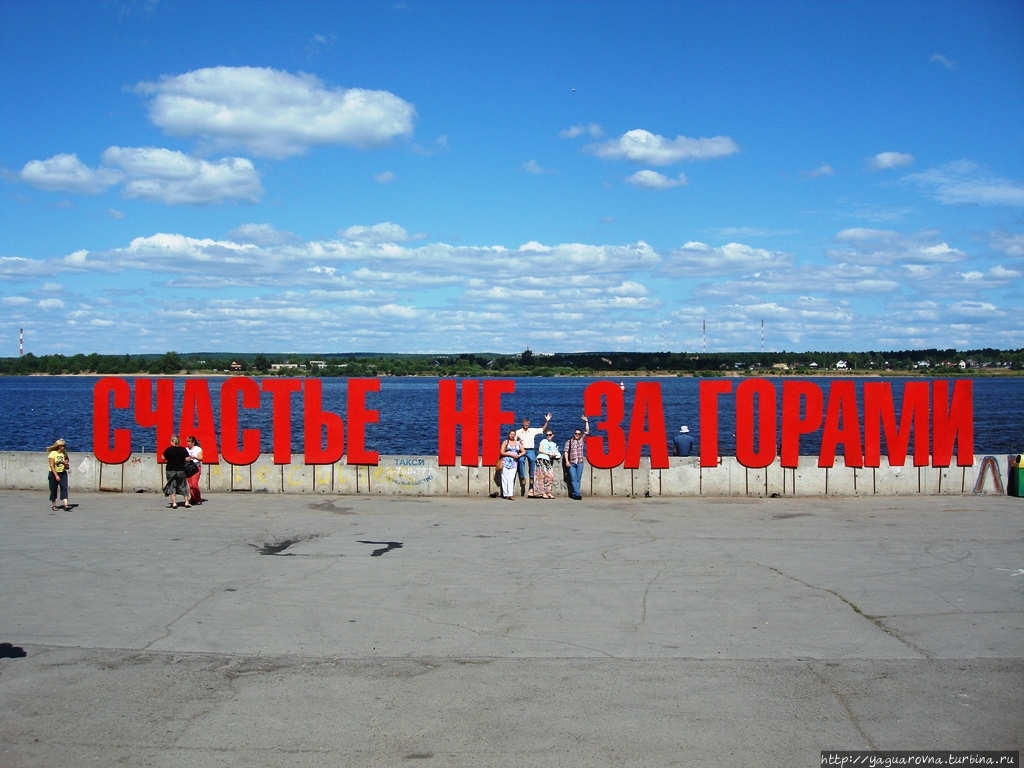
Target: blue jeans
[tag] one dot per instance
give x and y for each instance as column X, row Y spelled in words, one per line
column 58, row 485
column 575, row 478
column 531, row 459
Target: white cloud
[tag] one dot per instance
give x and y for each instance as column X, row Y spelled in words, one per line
column 173, row 178
column 887, row 247
column 1010, row 243
column 386, row 177
column 66, row 173
column 593, row 130
column 51, row 304
column 885, row 160
column 262, row 234
column 273, row 113
column 822, row 170
column 938, row 58
column 642, row 146
column 385, row 232
column 532, row 166
column 965, row 183
column 655, row 180
column 696, row 258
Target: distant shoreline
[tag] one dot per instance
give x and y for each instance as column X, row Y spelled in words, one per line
column 931, row 373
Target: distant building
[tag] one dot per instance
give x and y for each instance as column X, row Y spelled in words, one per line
column 235, row 366
column 318, row 364
column 780, row 367
column 841, row 365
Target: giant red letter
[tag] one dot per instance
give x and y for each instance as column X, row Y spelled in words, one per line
column 953, row 423
column 101, row 395
column 197, row 418
column 229, row 392
column 281, row 390
column 161, row 416
column 316, row 422
column 495, row 418
column 767, row 423
column 647, row 410
column 358, row 417
column 449, row 416
column 598, row 397
column 842, row 406
column 793, row 425
column 880, row 417
column 709, row 392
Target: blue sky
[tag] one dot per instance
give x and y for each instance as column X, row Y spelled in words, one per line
column 482, row 176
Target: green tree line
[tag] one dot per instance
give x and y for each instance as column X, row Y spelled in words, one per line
column 526, row 363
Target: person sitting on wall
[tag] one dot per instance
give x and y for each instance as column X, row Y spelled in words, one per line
column 682, row 444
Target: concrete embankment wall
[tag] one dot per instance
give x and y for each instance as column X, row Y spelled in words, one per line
column 421, row 476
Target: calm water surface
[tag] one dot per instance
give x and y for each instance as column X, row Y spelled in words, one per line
column 37, row 409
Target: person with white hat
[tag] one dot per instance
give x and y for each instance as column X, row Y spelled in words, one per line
column 682, row 443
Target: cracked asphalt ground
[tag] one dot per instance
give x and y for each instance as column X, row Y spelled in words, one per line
column 278, row 630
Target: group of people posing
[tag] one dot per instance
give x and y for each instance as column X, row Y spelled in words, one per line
column 535, row 463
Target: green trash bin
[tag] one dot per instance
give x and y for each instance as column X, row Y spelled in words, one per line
column 1015, row 481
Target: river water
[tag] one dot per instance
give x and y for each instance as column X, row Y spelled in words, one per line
column 38, row 409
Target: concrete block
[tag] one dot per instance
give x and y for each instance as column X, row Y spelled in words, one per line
column 928, row 480
column 682, row 478
column 323, row 478
column 345, row 478
column 840, row 480
column 600, row 481
column 951, row 481
column 112, row 478
column 28, row 470
column 85, row 472
column 642, row 478
column 729, row 478
column 757, row 481
column 241, row 477
column 896, row 481
column 482, row 480
column 217, row 477
column 140, row 472
column 298, row 477
column 457, row 479
column 808, row 478
column 621, row 481
column 408, row 475
column 778, row 479
column 266, row 476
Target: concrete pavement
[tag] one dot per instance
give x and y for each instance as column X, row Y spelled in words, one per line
column 283, row 630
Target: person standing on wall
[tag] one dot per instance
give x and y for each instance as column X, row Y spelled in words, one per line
column 58, row 477
column 511, row 457
column 573, row 457
column 682, row 444
column 176, row 457
column 528, row 463
column 195, row 455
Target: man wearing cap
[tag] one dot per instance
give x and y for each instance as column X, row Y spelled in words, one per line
column 683, row 443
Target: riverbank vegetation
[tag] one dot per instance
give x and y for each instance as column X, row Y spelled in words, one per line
column 934, row 362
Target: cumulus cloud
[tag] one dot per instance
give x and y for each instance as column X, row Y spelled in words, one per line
column 385, row 232
column 593, row 130
column 885, row 247
column 66, row 173
column 885, row 160
column 385, row 177
column 642, row 146
column 965, row 183
column 174, row 178
column 654, row 180
column 696, row 258
column 149, row 173
column 948, row 63
column 822, row 170
column 532, row 166
column 274, row 113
